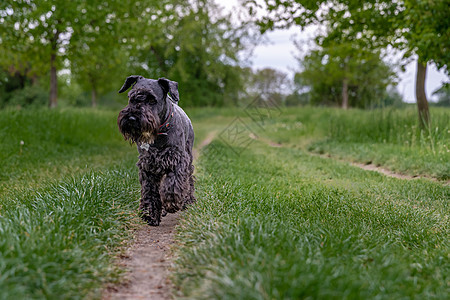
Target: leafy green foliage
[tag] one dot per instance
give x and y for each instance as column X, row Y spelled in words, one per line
column 42, row 35
column 426, row 27
column 365, row 73
column 102, row 42
column 199, row 49
column 418, row 26
column 30, row 95
column 20, row 91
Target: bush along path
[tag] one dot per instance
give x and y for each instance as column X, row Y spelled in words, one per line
column 278, row 223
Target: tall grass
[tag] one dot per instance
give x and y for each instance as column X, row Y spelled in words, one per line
column 68, row 195
column 55, row 243
column 393, row 126
column 387, row 137
column 276, row 223
column 36, row 144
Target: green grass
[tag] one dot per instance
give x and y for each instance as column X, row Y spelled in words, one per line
column 270, row 223
column 277, row 223
column 39, row 144
column 57, row 242
column 384, row 137
column 68, row 198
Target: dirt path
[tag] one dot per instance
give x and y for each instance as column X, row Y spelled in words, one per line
column 368, row 167
column 147, row 261
column 148, row 258
column 384, row 171
column 209, row 138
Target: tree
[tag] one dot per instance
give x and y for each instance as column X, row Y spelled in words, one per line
column 199, row 48
column 35, row 37
column 95, row 55
column 17, row 89
column 418, row 27
column 103, row 38
column 269, row 84
column 43, row 37
column 443, row 94
column 344, row 75
column 99, row 42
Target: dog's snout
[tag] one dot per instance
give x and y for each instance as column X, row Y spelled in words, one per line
column 132, row 118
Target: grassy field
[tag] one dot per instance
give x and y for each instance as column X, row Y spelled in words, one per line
column 36, row 145
column 69, row 192
column 388, row 137
column 272, row 220
column 278, row 223
column 384, row 137
column 275, row 222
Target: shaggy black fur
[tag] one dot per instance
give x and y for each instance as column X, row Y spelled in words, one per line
column 164, row 137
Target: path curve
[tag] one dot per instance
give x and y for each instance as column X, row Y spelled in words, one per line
column 368, row 167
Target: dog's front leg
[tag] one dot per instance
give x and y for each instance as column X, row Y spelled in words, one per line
column 174, row 186
column 150, row 206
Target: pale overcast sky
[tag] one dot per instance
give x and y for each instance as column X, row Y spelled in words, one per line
column 280, row 53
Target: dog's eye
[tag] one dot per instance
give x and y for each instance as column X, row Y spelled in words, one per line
column 141, row 98
column 138, row 98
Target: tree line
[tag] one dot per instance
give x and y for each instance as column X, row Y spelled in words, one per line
column 415, row 27
column 79, row 47
column 94, row 45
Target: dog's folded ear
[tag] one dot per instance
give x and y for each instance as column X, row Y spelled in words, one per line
column 129, row 82
column 170, row 87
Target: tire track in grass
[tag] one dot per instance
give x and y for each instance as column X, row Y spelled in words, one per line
column 209, row 138
column 367, row 167
column 381, row 170
column 147, row 260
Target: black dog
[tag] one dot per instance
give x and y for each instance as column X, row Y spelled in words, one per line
column 164, row 137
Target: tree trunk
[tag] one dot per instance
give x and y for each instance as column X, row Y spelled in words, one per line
column 53, row 82
column 421, row 97
column 160, row 60
column 94, row 97
column 345, row 93
column 53, row 76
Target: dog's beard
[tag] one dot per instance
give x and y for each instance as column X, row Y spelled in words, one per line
column 143, row 129
column 149, row 127
column 143, row 138
column 148, row 137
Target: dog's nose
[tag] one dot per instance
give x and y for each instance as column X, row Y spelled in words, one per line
column 132, row 118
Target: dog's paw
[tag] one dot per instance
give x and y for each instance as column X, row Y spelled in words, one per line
column 163, row 213
column 150, row 220
column 153, row 222
column 188, row 202
column 171, row 207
